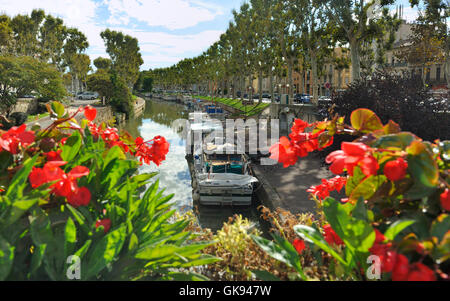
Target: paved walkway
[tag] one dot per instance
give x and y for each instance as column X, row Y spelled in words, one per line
column 46, row 121
column 290, row 184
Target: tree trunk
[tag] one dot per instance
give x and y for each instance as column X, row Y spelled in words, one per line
column 356, row 63
column 290, row 79
column 260, row 79
column 447, row 71
column 314, row 78
column 272, row 96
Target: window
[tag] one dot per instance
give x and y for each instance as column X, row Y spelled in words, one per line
column 427, row 75
column 438, row 73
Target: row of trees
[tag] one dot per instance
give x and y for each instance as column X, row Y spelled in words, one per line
column 47, row 39
column 273, row 38
column 39, row 53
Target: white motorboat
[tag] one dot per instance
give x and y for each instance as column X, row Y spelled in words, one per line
column 221, row 178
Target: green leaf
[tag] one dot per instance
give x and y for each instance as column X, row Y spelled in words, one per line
column 365, row 121
column 313, row 236
column 265, row 275
column 58, row 108
column 104, row 252
column 71, row 148
column 280, row 252
column 70, row 235
column 176, row 276
column 37, row 258
column 422, row 166
column 6, row 258
column 440, row 226
column 17, row 210
column 354, row 181
column 357, row 234
column 398, row 141
column 20, row 180
column 397, row 227
column 41, row 231
column 367, row 188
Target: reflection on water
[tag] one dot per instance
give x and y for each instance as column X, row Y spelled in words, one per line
column 174, row 172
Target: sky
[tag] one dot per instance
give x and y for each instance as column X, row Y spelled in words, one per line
column 167, row 30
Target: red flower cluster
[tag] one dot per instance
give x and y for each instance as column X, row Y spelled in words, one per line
column 16, row 136
column 65, row 184
column 352, row 155
column 445, row 199
column 323, row 191
column 301, row 143
column 396, row 170
column 90, row 113
column 398, row 264
column 155, row 152
column 106, row 223
column 53, row 155
column 331, row 237
column 299, row 245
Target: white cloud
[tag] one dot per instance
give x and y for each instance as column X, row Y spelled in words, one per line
column 171, row 14
column 160, row 47
column 75, row 13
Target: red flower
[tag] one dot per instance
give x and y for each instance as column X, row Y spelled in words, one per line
column 106, row 223
column 401, row 269
column 65, row 184
column 90, row 113
column 331, row 237
column 284, row 152
column 351, row 155
column 379, row 237
column 155, row 152
column 16, row 136
column 299, row 245
column 396, row 170
column 80, row 197
column 445, row 200
column 54, row 156
column 420, row 272
column 323, row 191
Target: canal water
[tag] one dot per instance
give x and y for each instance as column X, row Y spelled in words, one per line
column 174, row 173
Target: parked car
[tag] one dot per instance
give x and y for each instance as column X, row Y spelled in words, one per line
column 88, row 95
column 305, row 98
column 266, row 96
column 298, row 98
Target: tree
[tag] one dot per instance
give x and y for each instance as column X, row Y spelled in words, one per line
column 125, row 55
column 425, row 49
column 5, row 33
column 314, row 25
column 287, row 32
column 76, row 43
column 102, row 63
column 354, row 25
column 101, row 82
column 23, row 75
column 433, row 21
column 26, row 32
column 52, row 37
column 81, row 65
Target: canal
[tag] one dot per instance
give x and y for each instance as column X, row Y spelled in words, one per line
column 174, row 173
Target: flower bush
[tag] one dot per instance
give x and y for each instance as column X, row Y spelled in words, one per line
column 70, row 190
column 396, row 207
